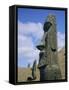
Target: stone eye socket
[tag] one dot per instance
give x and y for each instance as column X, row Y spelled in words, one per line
column 47, row 25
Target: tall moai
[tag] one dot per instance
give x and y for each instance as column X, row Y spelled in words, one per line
column 48, row 59
column 34, row 70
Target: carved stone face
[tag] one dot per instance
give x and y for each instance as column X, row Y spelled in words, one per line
column 47, row 25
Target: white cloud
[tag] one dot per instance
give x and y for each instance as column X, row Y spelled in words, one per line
column 28, row 51
column 24, row 41
column 60, row 40
column 28, row 33
column 34, row 30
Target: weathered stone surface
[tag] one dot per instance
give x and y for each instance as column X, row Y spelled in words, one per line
column 50, row 72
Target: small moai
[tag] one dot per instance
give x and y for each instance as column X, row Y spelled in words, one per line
column 34, row 70
column 28, row 65
column 48, row 59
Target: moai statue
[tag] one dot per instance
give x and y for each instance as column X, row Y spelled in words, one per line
column 34, row 70
column 48, row 60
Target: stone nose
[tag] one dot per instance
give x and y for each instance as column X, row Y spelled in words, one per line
column 41, row 46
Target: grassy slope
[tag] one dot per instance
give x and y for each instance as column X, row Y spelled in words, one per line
column 24, row 73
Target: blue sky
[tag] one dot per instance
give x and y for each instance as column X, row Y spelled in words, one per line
column 30, row 32
column 39, row 15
